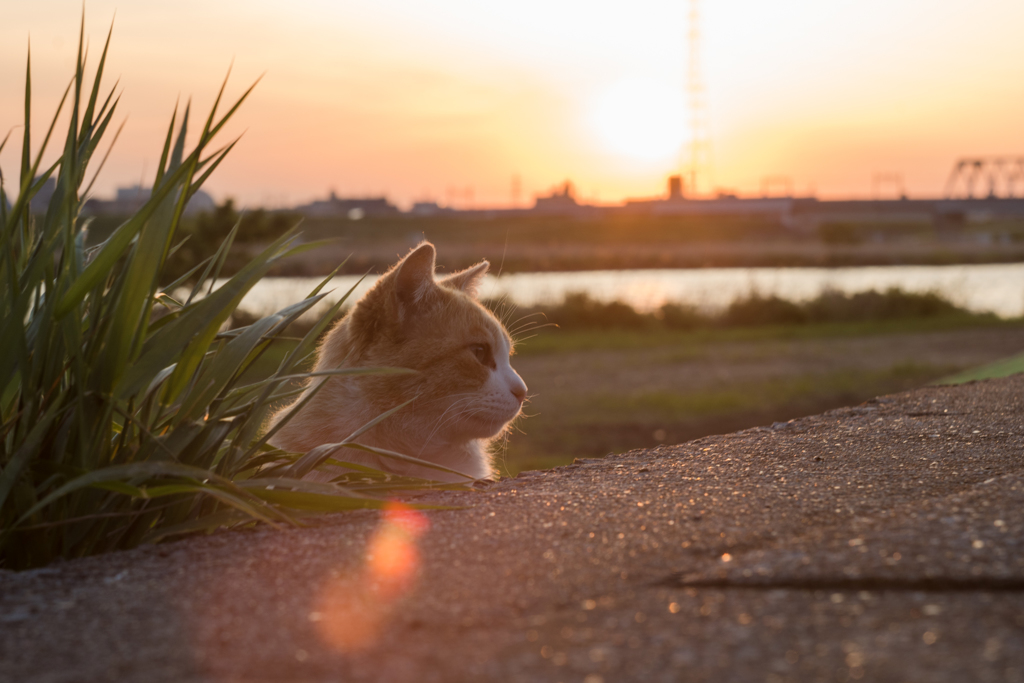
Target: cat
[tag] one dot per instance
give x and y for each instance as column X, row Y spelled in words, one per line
column 465, row 391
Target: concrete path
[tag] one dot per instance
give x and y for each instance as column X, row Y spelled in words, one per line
column 883, row 542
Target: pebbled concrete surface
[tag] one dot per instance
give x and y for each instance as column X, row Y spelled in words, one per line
column 883, row 542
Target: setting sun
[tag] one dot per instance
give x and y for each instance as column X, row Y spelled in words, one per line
column 640, row 118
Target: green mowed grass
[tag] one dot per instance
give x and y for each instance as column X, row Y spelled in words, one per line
column 1001, row 368
column 548, row 340
column 664, row 405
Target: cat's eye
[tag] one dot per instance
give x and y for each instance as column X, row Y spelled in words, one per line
column 482, row 352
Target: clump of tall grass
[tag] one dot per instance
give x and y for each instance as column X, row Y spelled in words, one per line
column 125, row 413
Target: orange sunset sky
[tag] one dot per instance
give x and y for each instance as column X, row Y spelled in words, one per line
column 448, row 100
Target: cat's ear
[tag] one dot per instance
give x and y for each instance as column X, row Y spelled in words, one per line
column 467, row 280
column 414, row 277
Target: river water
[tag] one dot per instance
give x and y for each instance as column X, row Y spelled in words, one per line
column 996, row 288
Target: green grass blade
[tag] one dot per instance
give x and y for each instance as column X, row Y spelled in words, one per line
column 94, row 95
column 104, row 261
column 315, row 457
column 26, row 145
column 133, row 471
column 198, row 328
column 278, row 379
column 393, row 455
column 230, row 360
column 318, row 502
column 208, row 523
column 14, row 467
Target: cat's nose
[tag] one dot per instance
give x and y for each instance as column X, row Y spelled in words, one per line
column 518, row 389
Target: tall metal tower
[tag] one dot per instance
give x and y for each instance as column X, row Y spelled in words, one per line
column 697, row 168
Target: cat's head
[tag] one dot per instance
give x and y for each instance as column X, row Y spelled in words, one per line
column 465, row 386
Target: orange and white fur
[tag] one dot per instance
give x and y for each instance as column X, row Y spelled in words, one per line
column 465, row 389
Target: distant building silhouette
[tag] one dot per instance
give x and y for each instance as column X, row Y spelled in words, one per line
column 561, row 201
column 675, row 187
column 429, row 209
column 353, row 208
column 128, row 200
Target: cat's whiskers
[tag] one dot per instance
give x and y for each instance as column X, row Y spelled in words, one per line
column 475, row 410
column 525, row 324
column 525, row 319
column 441, row 421
column 501, row 307
column 503, row 448
column 447, row 397
column 514, row 423
column 468, row 410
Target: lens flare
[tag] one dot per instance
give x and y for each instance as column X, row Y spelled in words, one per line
column 353, row 609
column 393, row 558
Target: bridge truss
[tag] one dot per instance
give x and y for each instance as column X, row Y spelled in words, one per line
column 996, row 177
